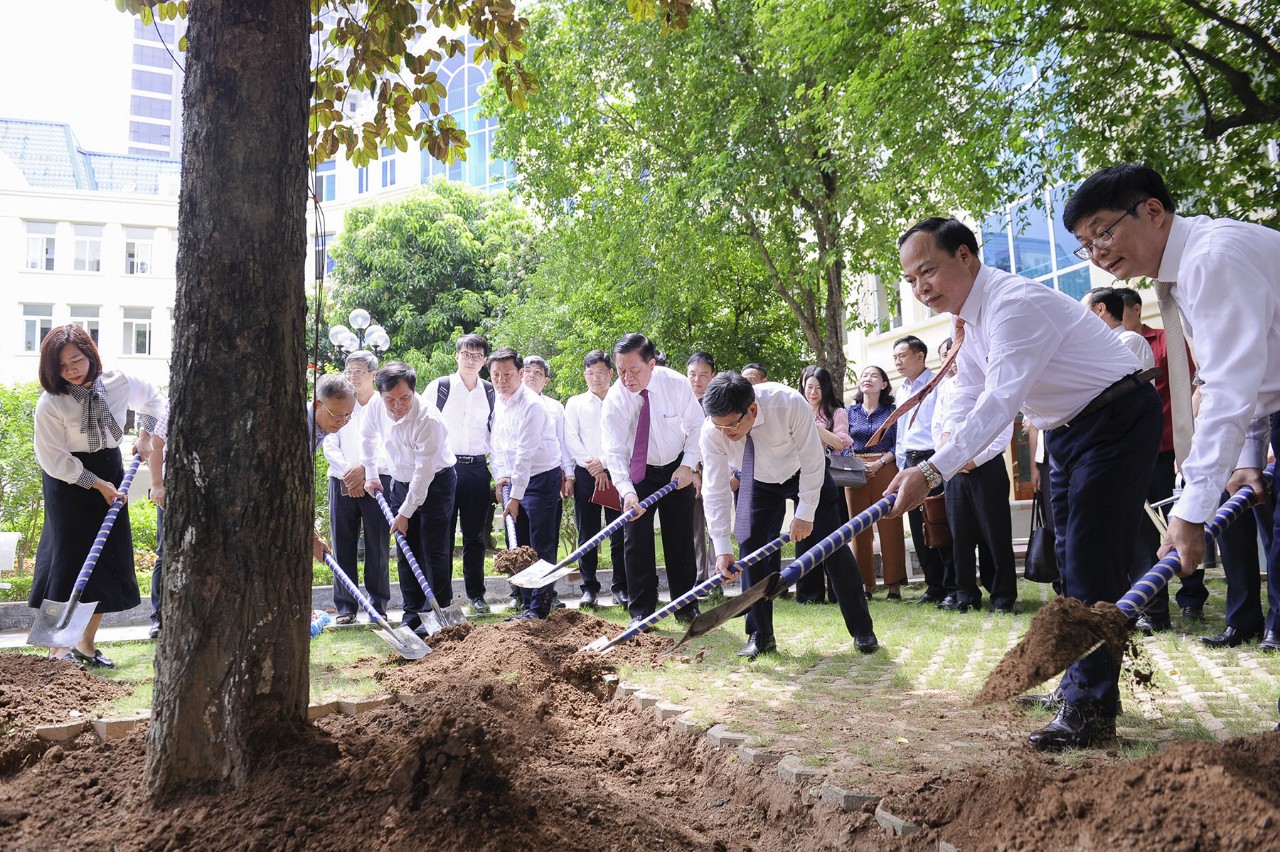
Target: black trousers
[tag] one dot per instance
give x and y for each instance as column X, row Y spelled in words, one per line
column 1192, row 591
column 428, row 537
column 813, row 586
column 1238, row 547
column 676, row 511
column 1101, row 468
column 935, row 562
column 347, row 515
column 471, row 496
column 978, row 514
column 1272, row 541
column 768, row 510
column 538, row 524
column 587, row 518
column 157, row 596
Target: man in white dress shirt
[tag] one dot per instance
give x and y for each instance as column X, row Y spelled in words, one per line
column 583, row 442
column 700, row 368
column 526, row 456
column 1022, row 345
column 466, row 402
column 348, row 510
column 656, row 405
column 1223, row 276
column 767, row 432
column 1109, row 306
column 412, row 434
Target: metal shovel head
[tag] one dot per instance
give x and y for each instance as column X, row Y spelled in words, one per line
column 48, row 631
column 731, row 608
column 431, row 621
column 601, row 645
column 538, row 575
column 449, row 615
column 404, row 642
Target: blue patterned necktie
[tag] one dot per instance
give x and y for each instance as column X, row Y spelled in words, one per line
column 746, row 489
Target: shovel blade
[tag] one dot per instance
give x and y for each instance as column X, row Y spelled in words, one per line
column 404, row 642
column 731, row 608
column 452, row 615
column 48, row 630
column 538, row 575
column 430, row 622
column 600, row 645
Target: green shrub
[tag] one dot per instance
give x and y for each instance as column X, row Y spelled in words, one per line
column 21, row 492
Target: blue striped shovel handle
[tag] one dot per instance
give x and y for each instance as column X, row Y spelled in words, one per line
column 82, row 579
column 408, row 554
column 844, row 534
column 354, row 590
column 616, row 524
column 512, row 540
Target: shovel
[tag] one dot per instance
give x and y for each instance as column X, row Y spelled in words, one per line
column 604, row 644
column 541, row 572
column 777, row 583
column 437, row 619
column 403, row 641
column 60, row 625
column 1060, row 638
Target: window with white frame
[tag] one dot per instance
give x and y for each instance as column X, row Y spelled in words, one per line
column 40, row 245
column 323, row 263
column 86, row 316
column 138, row 246
column 388, row 167
column 37, row 321
column 326, row 180
column 1028, row 238
column 88, row 248
column 137, row 331
column 362, row 180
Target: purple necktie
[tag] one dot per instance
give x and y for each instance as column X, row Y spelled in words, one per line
column 746, row 485
column 640, row 450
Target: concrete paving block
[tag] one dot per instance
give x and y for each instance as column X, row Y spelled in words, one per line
column 792, row 769
column 360, row 705
column 666, row 710
column 944, row 846
column 758, row 756
column 897, row 825
column 61, row 733
column 845, row 800
column 116, row 729
column 719, row 736
column 644, row 701
column 626, row 690
column 687, row 725
column 319, row 711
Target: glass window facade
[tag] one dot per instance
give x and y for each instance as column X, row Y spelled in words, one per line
column 326, row 180
column 137, row 331
column 1028, row 238
column 481, row 169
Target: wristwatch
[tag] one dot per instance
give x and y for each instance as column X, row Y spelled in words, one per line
column 931, row 474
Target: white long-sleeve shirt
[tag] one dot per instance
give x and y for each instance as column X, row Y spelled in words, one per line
column 942, row 424
column 1026, row 346
column 1137, row 344
column 342, row 449
column 675, row 422
column 555, row 413
column 786, row 442
column 915, row 429
column 57, row 424
column 582, row 436
column 1226, row 282
column 524, row 440
column 466, row 414
column 416, row 447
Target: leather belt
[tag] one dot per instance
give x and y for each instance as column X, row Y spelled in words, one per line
column 914, row 456
column 470, row 459
column 1113, row 392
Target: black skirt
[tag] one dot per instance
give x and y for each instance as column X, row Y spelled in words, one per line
column 72, row 518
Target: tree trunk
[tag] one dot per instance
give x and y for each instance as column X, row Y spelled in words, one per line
column 231, row 665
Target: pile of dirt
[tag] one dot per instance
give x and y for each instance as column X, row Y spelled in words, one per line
column 1193, row 796
column 514, row 561
column 36, row 691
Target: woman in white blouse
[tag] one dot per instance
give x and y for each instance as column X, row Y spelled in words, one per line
column 78, row 431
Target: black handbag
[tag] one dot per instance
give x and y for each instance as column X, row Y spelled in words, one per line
column 847, row 471
column 1042, row 558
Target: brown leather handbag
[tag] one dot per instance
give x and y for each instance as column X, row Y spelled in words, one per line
column 937, row 533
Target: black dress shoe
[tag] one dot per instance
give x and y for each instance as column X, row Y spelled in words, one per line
column 1270, row 641
column 1193, row 613
column 1052, row 701
column 1229, row 638
column 1006, row 609
column 929, row 598
column 955, row 604
column 154, row 632
column 621, row 598
column 756, row 647
column 688, row 614
column 867, row 642
column 1149, row 624
column 588, row 601
column 1075, row 726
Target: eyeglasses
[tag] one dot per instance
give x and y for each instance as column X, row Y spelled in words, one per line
column 1105, row 238
column 343, row 417
column 731, row 427
column 471, row 356
column 355, row 374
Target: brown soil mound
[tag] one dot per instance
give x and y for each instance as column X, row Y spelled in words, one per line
column 1194, row 796
column 1061, row 632
column 35, row 691
column 514, row 561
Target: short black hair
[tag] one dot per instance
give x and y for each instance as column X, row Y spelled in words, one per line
column 637, row 343
column 392, row 374
column 539, row 362
column 506, row 353
column 597, row 356
column 471, row 341
column 728, row 393
column 1116, row 188
column 1132, row 298
column 1112, row 302
column 950, row 234
column 756, row 366
column 914, row 343
column 701, row 357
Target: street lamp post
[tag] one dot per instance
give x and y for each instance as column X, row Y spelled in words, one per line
column 366, row 336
